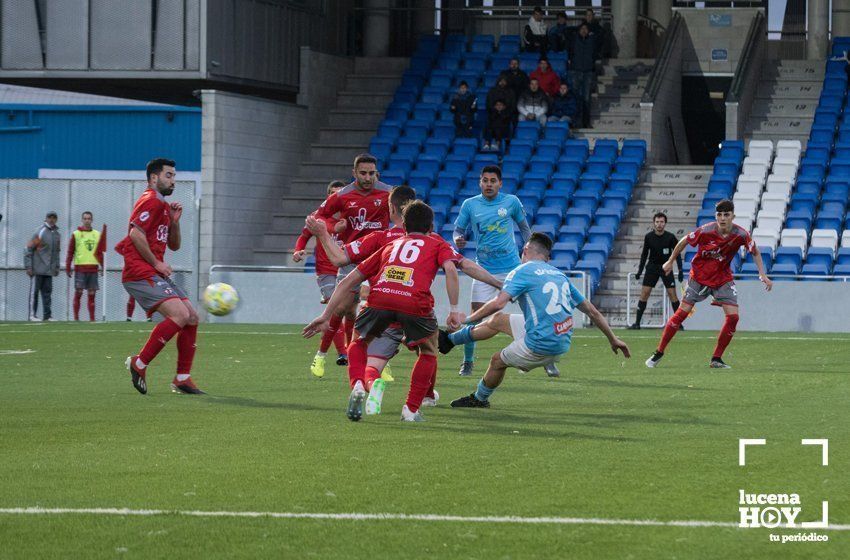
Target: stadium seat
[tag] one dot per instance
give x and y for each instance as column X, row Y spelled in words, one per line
column 760, row 149
column 788, row 149
column 825, row 238
column 795, row 238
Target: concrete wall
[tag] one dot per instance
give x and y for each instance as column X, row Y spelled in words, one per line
column 707, row 30
column 662, row 146
column 789, row 307
column 738, row 109
column 250, row 149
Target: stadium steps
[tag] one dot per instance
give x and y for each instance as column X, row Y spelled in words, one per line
column 361, row 105
column 615, row 106
column 786, row 100
column 675, row 190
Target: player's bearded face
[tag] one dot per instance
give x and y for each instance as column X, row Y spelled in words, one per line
column 165, row 181
column 366, row 174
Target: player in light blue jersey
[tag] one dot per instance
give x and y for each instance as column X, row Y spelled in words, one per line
column 491, row 216
column 543, row 332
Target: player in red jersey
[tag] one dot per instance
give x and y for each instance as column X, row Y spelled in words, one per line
column 400, row 276
column 326, row 273
column 362, row 206
column 385, row 347
column 711, row 275
column 155, row 225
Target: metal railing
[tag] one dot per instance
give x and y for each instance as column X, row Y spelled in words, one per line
column 749, row 56
column 656, row 77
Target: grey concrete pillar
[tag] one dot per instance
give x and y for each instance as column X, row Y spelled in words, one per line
column 840, row 18
column 376, row 28
column 817, row 40
column 624, row 15
column 424, row 18
column 660, row 10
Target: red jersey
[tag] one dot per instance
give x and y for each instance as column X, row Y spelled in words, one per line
column 152, row 215
column 361, row 249
column 323, row 264
column 401, row 274
column 363, row 211
column 710, row 266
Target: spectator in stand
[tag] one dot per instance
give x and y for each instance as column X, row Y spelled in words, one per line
column 516, row 78
column 41, row 260
column 533, row 104
column 499, row 121
column 547, row 78
column 595, row 28
column 559, row 34
column 463, row 105
column 501, row 92
column 564, row 105
column 534, row 34
column 582, row 71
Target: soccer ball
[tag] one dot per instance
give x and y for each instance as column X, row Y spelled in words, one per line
column 220, row 298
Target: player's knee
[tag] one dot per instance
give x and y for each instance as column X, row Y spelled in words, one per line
column 496, row 361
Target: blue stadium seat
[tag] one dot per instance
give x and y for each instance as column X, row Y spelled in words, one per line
column 563, row 261
column 570, row 168
column 394, row 176
column 563, row 183
column 449, row 181
column 820, row 256
column 546, row 229
column 513, row 169
column 573, row 235
column 608, row 218
column 429, row 163
column 786, row 255
column 784, row 268
column 549, row 216
column 799, row 219
column 527, row 130
column 602, row 235
column 814, row 270
column 577, row 216
column 556, row 200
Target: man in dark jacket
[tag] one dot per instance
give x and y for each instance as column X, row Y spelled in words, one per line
column 582, row 70
column 564, row 105
column 463, row 105
column 559, row 34
column 499, row 121
column 596, row 29
column 516, row 78
column 501, row 92
column 41, row 260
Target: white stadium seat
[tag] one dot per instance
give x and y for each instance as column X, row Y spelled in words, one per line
column 788, row 149
column 781, row 185
column 765, row 238
column 745, row 207
column 795, row 238
column 845, row 238
column 749, row 185
column 761, row 149
column 755, row 168
column 745, row 222
column 774, row 202
column 768, row 220
column 825, row 238
column 785, row 167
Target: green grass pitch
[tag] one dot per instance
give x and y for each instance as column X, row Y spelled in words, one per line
column 609, row 440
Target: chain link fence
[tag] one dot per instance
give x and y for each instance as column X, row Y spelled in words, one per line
column 24, row 204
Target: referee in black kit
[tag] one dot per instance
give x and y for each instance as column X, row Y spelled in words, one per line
column 657, row 245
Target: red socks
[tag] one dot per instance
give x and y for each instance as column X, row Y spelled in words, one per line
column 160, row 335
column 328, row 335
column 357, row 362
column 424, row 370
column 77, row 297
column 672, row 327
column 131, row 306
column 339, row 342
column 372, row 374
column 186, row 348
column 91, row 305
column 430, row 392
column 726, row 334
column 349, row 330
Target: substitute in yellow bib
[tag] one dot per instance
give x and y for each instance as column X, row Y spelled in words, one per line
column 85, row 255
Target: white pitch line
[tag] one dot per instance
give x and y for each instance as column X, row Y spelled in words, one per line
column 98, row 331
column 507, row 519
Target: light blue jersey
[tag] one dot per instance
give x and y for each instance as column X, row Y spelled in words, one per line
column 492, row 224
column 547, row 299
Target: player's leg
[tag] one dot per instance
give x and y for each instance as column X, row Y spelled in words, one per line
column 91, row 289
column 78, row 295
column 47, row 297
column 645, row 292
column 131, row 307
column 727, row 296
column 186, row 347
column 327, row 284
column 155, row 295
column 469, row 347
column 424, row 370
column 487, row 329
column 694, row 293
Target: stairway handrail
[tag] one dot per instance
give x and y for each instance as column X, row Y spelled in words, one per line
column 755, row 34
column 656, row 77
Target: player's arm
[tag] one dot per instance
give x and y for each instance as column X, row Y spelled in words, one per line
column 455, row 317
column 477, row 272
column 140, row 242
column 341, row 296
column 643, row 255
column 493, row 306
column 521, row 221
column 768, row 283
column 667, row 267
column 301, row 244
column 69, row 257
column 175, row 209
column 328, row 208
column 461, row 223
column 679, row 264
column 599, row 320
column 335, row 254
